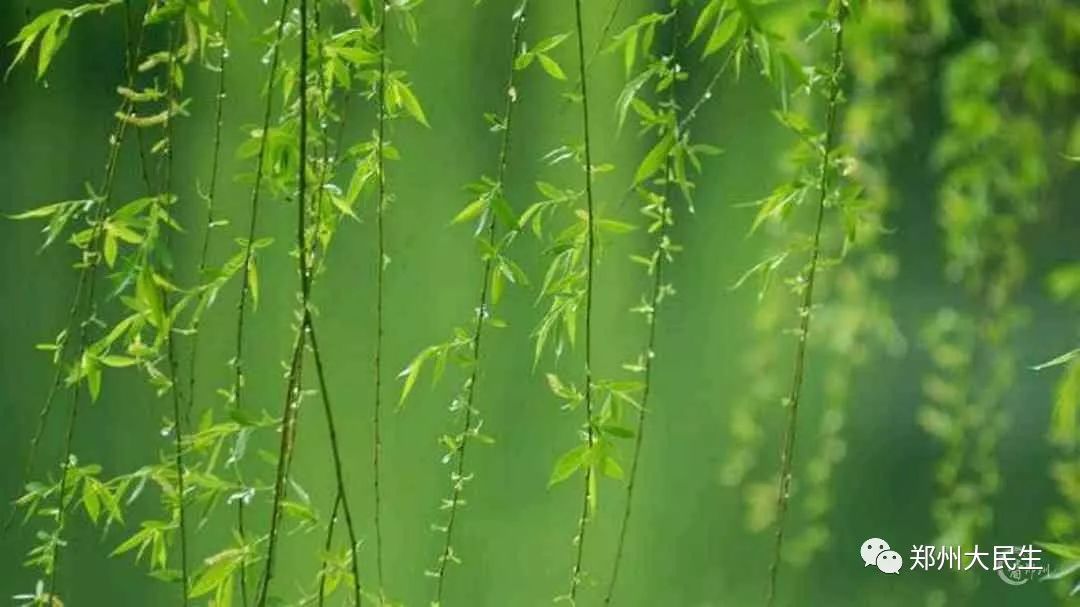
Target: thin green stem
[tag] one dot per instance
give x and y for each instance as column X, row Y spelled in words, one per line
column 307, row 332
column 211, row 197
column 90, row 262
column 285, row 449
column 116, row 138
column 605, row 31
column 783, row 492
column 305, row 294
column 268, row 111
column 656, row 294
column 481, row 309
column 342, row 496
column 241, row 306
column 705, row 95
column 327, row 543
column 170, row 347
column 328, row 164
column 590, row 246
column 380, row 263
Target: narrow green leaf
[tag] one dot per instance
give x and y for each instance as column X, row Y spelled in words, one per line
column 569, row 463
column 51, row 41
column 629, row 94
column 1058, row 360
column 1065, row 551
column 1065, row 416
column 90, row 500
column 654, row 160
column 253, row 282
column 611, row 468
column 725, row 29
column 411, row 103
column 711, row 10
column 471, row 210
column 117, row 361
column 630, row 51
column 551, row 66
column 110, row 249
column 548, row 44
column 411, row 373
column 43, row 211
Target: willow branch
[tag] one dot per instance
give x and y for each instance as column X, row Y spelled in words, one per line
column 380, row 264
column 170, row 347
column 783, row 492
column 211, row 195
column 285, row 450
column 327, row 543
column 90, row 262
column 605, row 31
column 307, row 331
column 238, row 359
column 590, row 245
column 238, row 379
column 342, row 497
column 655, row 297
column 116, row 138
column 481, row 308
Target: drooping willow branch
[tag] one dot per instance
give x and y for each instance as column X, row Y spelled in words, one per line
column 88, row 281
column 661, row 211
column 91, row 262
column 590, row 242
column 170, row 348
column 132, row 48
column 253, row 211
column 601, row 39
column 380, row 266
column 783, row 489
column 342, row 498
column 211, row 195
column 245, row 280
column 285, row 449
column 307, row 332
column 482, row 310
column 329, row 162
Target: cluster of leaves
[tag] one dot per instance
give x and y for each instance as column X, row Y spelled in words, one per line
column 857, row 326
column 568, row 222
column 1062, row 525
column 131, row 243
column 995, row 156
column 818, row 215
column 317, row 87
column 662, row 175
column 820, row 169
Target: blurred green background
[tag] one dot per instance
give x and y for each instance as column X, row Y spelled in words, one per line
column 688, row 544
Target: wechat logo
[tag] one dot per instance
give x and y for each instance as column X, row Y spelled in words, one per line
column 876, row 552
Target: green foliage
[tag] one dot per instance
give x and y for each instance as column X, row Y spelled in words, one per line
column 983, row 202
column 50, row 31
column 839, row 77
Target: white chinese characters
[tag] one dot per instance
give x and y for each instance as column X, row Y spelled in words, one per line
column 1015, row 561
column 1009, row 558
